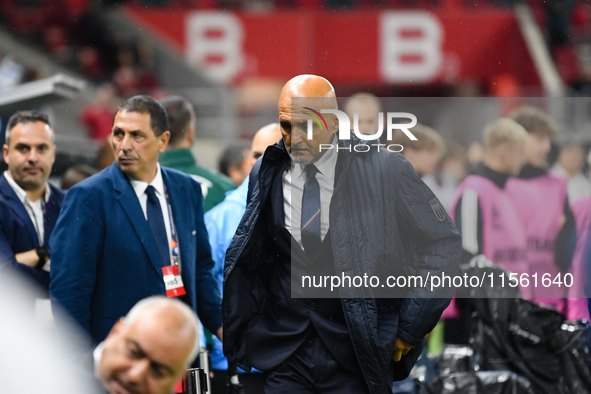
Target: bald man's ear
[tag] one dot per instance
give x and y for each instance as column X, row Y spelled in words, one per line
column 335, row 124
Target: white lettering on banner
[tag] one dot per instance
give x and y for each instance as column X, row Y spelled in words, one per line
column 214, row 44
column 410, row 46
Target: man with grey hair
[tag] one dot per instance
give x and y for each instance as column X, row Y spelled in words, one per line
column 313, row 211
column 29, row 206
column 149, row 350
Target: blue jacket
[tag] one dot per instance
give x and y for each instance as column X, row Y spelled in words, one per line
column 104, row 258
column 382, row 217
column 221, row 222
column 17, row 232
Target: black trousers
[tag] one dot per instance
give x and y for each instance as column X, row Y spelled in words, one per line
column 312, row 369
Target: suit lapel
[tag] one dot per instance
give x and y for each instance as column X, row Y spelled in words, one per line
column 131, row 205
column 18, row 208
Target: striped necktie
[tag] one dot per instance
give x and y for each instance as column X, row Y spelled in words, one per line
column 311, row 238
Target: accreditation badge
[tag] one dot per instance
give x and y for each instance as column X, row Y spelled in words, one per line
column 173, row 282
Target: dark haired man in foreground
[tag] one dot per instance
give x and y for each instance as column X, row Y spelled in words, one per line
column 134, row 230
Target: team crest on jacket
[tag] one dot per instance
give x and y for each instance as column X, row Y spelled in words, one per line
column 437, row 209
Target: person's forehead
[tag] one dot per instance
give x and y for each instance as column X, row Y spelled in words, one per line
column 303, row 113
column 574, row 152
column 257, row 142
column 161, row 343
column 37, row 132
column 539, row 135
column 363, row 106
column 302, row 105
column 263, row 139
column 430, row 150
column 519, row 145
column 572, row 148
column 260, row 144
column 133, row 120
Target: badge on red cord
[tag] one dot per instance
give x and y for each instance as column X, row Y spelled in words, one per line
column 173, row 281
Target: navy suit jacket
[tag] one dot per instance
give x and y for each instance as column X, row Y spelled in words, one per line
column 17, row 232
column 104, row 258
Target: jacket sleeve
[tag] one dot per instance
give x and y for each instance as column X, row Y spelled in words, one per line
column 253, row 178
column 209, row 300
column 76, row 248
column 7, row 259
column 438, row 248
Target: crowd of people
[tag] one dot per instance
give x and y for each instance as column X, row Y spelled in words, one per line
column 136, row 252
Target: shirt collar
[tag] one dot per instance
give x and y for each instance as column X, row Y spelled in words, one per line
column 20, row 193
column 140, row 186
column 326, row 164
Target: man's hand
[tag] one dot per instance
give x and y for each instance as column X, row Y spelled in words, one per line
column 219, row 333
column 401, row 348
column 29, row 258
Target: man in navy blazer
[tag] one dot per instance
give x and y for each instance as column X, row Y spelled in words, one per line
column 110, row 247
column 29, row 206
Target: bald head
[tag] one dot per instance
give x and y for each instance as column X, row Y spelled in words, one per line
column 307, row 85
column 310, row 87
column 267, row 135
column 148, row 351
column 311, row 94
column 170, row 314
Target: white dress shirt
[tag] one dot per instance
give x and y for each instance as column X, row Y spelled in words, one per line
column 294, row 178
column 34, row 209
column 140, row 190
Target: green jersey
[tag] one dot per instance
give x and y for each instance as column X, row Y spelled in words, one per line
column 213, row 186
